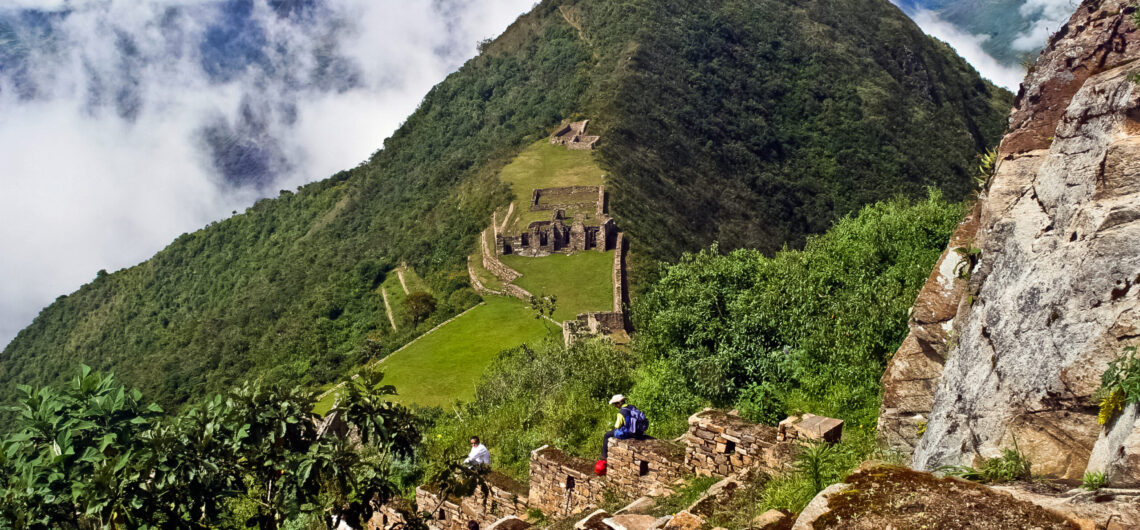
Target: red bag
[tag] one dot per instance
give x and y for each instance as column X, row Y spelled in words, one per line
column 600, row 467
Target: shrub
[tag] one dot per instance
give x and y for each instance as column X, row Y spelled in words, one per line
column 1119, row 385
column 1093, row 480
column 1010, row 466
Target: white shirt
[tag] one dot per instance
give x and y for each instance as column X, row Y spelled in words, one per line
column 478, row 455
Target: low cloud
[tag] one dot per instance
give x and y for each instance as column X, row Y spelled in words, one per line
column 124, row 123
column 1047, row 17
column 969, row 46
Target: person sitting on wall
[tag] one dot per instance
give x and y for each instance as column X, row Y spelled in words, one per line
column 479, row 454
column 631, row 423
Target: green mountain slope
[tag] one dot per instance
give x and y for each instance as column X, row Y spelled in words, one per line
column 749, row 122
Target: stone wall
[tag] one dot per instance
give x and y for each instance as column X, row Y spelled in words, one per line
column 645, row 466
column 573, row 136
column 505, row 497
column 562, row 485
column 389, row 516
column 618, row 275
column 492, row 263
column 560, row 198
column 722, row 443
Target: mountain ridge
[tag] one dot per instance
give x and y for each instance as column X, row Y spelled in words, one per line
column 286, row 290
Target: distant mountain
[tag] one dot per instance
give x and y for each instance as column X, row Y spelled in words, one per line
column 752, row 123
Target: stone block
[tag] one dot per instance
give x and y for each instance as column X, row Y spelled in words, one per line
column 631, row 522
column 685, row 520
column 770, row 519
column 594, row 521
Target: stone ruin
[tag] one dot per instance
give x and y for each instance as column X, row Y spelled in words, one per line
column 717, row 443
column 593, row 231
column 573, row 136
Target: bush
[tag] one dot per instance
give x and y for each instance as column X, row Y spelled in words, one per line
column 1119, row 385
column 1093, row 480
column 535, row 395
column 809, row 330
column 1012, row 465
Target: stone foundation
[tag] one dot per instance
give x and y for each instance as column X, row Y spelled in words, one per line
column 573, row 136
column 721, row 443
column 645, row 466
column 718, row 443
column 562, row 485
column 505, row 497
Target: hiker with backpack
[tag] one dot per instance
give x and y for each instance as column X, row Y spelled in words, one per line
column 631, row 423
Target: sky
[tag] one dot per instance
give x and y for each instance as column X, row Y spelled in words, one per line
column 124, row 123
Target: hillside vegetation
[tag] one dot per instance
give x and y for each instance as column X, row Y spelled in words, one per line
column 751, row 123
column 803, row 330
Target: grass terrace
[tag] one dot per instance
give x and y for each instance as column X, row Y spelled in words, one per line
column 443, row 366
column 547, row 166
column 582, row 281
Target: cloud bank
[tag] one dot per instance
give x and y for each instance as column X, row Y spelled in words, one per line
column 124, row 123
column 970, row 47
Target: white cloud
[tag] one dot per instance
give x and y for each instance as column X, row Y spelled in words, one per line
column 1048, row 16
column 969, row 46
column 104, row 163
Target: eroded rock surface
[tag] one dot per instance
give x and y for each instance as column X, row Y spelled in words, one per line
column 1054, row 296
column 879, row 497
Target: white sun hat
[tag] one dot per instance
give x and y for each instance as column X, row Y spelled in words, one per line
column 618, row 398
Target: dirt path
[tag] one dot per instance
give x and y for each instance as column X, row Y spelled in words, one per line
column 388, row 307
column 506, row 218
column 400, row 274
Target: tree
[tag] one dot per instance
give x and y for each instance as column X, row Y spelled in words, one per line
column 543, row 305
column 93, row 456
column 420, row 305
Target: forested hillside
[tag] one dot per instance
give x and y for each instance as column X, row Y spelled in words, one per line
column 755, row 123
column 752, row 123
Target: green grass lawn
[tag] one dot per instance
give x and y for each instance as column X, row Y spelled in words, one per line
column 546, row 166
column 582, row 281
column 444, row 365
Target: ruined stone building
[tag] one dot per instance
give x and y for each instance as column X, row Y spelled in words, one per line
column 589, row 229
column 718, row 443
column 574, row 136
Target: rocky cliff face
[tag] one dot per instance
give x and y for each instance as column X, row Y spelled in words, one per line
column 1012, row 350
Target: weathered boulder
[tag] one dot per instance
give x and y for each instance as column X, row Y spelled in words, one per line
column 770, row 519
column 911, row 376
column 631, row 522
column 1053, row 298
column 509, row 522
column 817, row 507
column 685, row 520
column 594, row 521
column 1117, row 450
column 1091, row 509
column 640, row 506
column 879, row 497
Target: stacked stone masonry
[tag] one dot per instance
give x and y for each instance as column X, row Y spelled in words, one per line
column 562, row 485
column 810, row 427
column 574, row 136
column 717, row 443
column 543, row 238
column 504, row 497
column 639, row 467
column 562, row 198
column 722, row 443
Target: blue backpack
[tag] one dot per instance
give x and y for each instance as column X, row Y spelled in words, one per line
column 637, row 423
